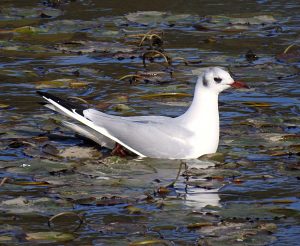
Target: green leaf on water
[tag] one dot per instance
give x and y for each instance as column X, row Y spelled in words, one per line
column 85, row 47
column 4, row 106
column 49, row 236
column 151, row 242
column 26, row 30
column 6, row 239
column 76, row 152
column 199, row 225
column 157, row 17
column 120, row 107
column 258, row 104
column 254, row 20
column 133, row 210
column 60, row 83
column 31, row 183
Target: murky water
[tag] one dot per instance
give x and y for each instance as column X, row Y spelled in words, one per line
column 246, row 194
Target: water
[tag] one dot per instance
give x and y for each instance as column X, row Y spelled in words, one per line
column 248, row 194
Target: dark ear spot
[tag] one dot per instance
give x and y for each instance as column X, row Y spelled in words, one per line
column 218, row 80
column 205, row 81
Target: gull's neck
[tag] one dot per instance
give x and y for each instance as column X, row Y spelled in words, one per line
column 203, row 110
column 202, row 118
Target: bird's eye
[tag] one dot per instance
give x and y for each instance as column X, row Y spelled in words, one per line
column 218, row 80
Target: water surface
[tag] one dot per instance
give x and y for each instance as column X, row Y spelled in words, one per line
column 247, row 194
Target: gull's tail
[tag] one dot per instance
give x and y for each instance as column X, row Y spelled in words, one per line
column 72, row 107
column 75, row 111
column 90, row 129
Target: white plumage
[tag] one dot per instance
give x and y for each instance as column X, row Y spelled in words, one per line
column 190, row 135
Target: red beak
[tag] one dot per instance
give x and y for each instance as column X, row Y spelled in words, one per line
column 238, row 84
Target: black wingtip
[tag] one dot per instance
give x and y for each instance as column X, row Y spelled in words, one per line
column 47, row 95
column 39, row 93
column 42, row 103
column 65, row 103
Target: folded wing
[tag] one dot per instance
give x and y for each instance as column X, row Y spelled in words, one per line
column 152, row 136
column 156, row 136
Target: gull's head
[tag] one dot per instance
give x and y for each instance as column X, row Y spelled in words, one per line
column 216, row 79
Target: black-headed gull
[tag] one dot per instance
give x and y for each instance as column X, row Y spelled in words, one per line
column 188, row 136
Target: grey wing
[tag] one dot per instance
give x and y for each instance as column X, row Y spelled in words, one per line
column 95, row 114
column 152, row 136
column 91, row 134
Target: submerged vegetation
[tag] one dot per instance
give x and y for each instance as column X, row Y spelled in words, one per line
column 57, row 188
